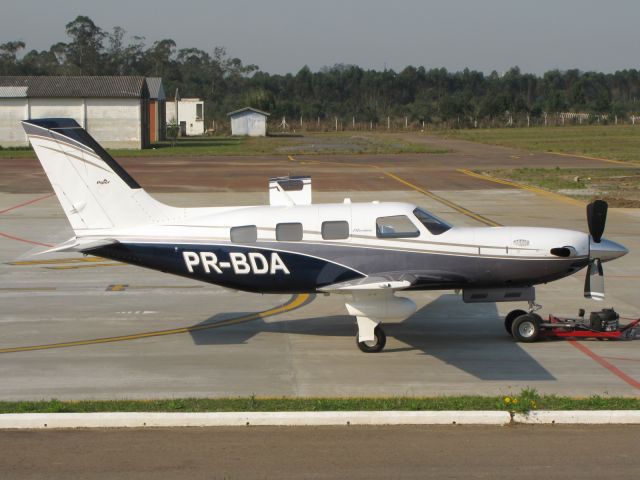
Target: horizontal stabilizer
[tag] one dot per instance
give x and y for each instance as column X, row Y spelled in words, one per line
column 80, row 245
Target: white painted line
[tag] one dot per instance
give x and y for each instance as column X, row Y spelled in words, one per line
column 586, row 417
column 220, row 419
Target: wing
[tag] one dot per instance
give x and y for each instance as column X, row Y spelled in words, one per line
column 392, row 281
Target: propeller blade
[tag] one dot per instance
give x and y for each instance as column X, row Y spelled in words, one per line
column 594, row 281
column 596, row 218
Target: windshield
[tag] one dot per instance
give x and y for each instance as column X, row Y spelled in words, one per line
column 431, row 222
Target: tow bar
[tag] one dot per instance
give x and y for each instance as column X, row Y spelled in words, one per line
column 604, row 324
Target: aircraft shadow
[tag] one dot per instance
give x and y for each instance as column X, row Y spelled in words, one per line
column 469, row 337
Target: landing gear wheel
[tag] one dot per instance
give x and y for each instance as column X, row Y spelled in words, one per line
column 377, row 344
column 526, row 328
column 511, row 316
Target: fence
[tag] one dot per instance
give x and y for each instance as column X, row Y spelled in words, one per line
column 406, row 123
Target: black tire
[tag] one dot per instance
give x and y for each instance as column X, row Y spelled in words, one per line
column 511, row 316
column 526, row 328
column 377, row 345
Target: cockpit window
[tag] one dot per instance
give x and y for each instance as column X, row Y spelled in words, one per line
column 397, row 226
column 431, row 222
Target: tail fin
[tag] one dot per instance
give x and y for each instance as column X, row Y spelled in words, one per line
column 94, row 190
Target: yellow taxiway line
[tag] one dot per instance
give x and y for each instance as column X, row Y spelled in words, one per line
column 295, row 302
column 446, row 202
column 55, row 261
column 586, row 157
column 539, row 191
column 418, row 189
column 76, row 263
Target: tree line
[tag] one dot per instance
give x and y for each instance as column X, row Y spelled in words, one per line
column 339, row 91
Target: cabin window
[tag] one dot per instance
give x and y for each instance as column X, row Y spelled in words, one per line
column 397, row 226
column 199, row 111
column 244, row 234
column 335, row 230
column 432, row 223
column 289, row 232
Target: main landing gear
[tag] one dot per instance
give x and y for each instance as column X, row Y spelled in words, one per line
column 375, row 345
column 370, row 310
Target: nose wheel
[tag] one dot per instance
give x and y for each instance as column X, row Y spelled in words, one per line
column 526, row 328
column 375, row 345
column 511, row 316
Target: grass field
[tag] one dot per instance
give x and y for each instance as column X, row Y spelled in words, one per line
column 524, row 401
column 607, row 141
column 618, row 186
column 309, row 144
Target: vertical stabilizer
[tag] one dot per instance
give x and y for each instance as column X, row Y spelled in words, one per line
column 94, row 190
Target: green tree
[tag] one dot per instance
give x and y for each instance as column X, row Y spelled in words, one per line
column 84, row 52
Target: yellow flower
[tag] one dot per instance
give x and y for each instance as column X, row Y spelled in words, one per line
column 507, row 400
column 515, row 400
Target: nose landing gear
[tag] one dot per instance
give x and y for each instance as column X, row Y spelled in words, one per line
column 511, row 316
column 526, row 329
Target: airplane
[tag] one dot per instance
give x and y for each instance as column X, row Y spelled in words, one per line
column 368, row 251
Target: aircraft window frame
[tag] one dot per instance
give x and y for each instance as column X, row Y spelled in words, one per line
column 249, row 234
column 415, row 232
column 335, row 230
column 289, row 232
column 435, row 225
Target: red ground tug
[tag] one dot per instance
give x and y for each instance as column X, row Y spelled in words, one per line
column 529, row 327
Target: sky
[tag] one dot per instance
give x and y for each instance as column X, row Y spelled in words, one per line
column 281, row 36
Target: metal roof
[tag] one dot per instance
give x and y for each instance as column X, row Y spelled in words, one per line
column 13, row 92
column 250, row 109
column 79, row 87
column 156, row 90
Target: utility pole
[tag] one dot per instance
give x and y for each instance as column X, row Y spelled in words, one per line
column 177, row 99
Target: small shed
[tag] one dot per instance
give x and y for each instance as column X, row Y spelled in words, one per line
column 249, row 122
column 190, row 115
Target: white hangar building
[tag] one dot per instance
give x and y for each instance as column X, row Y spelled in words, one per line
column 114, row 110
column 249, row 122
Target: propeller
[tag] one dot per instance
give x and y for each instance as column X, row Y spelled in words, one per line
column 596, row 219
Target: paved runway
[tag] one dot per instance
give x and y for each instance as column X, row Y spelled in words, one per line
column 447, row 347
column 557, row 452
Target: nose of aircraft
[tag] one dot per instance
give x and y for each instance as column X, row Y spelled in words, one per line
column 607, row 250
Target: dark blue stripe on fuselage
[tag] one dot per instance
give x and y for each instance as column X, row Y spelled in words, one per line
column 240, row 268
